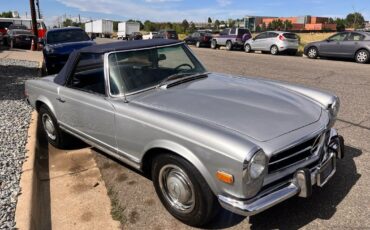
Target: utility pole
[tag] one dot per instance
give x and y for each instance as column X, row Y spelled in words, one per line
column 34, row 24
column 38, row 9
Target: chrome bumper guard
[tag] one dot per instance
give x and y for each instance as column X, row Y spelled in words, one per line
column 300, row 185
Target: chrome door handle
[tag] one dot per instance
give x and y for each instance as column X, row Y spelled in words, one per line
column 60, row 99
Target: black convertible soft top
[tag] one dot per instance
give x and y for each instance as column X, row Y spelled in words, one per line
column 62, row 76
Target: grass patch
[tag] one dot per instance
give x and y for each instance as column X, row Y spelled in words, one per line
column 116, row 208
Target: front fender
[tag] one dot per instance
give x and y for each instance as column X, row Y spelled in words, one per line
column 322, row 98
column 188, row 155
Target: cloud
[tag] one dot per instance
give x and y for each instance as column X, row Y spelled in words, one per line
column 224, row 2
column 145, row 10
column 156, row 1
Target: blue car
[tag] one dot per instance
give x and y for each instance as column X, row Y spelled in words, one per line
column 59, row 43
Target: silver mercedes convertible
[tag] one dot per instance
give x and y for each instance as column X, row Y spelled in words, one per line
column 206, row 139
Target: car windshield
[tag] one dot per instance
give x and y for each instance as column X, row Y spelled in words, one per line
column 132, row 71
column 62, row 36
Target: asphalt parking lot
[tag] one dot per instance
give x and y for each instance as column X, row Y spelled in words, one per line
column 343, row 203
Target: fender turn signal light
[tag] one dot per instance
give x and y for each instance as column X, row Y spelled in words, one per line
column 225, row 177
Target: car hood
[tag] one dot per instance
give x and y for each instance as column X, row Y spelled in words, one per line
column 68, row 47
column 248, row 106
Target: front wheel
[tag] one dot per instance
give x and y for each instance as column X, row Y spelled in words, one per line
column 312, row 53
column 362, row 56
column 183, row 191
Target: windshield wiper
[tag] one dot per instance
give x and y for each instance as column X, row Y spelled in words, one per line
column 181, row 76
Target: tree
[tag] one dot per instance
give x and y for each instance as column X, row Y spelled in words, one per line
column 185, row 25
column 192, row 27
column 231, row 23
column 209, row 20
column 258, row 28
column 264, row 27
column 67, row 22
column 341, row 24
column 6, row 14
column 217, row 24
column 288, row 25
column 355, row 20
column 277, row 24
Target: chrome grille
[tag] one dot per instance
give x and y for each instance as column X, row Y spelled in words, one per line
column 293, row 155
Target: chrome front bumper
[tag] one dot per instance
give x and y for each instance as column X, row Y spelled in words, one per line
column 301, row 184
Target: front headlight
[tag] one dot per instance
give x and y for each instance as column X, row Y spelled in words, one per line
column 334, row 108
column 257, row 165
column 333, row 111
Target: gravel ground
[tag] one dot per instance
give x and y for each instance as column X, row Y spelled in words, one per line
column 14, row 121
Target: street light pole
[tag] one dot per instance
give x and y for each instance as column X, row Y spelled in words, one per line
column 34, row 24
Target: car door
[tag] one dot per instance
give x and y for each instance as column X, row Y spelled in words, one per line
column 352, row 43
column 269, row 41
column 84, row 108
column 258, row 41
column 223, row 37
column 333, row 46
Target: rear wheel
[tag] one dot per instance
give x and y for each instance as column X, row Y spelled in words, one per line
column 229, row 45
column 274, row 50
column 11, row 45
column 312, row 53
column 362, row 56
column 54, row 134
column 247, row 48
column 214, row 44
column 182, row 190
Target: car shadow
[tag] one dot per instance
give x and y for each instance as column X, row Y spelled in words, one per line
column 298, row 212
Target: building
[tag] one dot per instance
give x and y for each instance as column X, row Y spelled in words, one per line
column 299, row 23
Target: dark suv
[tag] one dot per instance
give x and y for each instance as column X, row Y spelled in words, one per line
column 199, row 39
column 168, row 34
column 231, row 38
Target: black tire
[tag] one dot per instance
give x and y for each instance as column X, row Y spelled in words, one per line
column 292, row 52
column 205, row 205
column 197, row 44
column 229, row 45
column 11, row 45
column 362, row 56
column 214, row 44
column 60, row 140
column 274, row 50
column 247, row 48
column 312, row 52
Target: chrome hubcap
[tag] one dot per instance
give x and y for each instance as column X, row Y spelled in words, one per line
column 177, row 188
column 274, row 50
column 312, row 53
column 362, row 56
column 247, row 48
column 48, row 126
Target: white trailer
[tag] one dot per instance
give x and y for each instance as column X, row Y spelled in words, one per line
column 127, row 28
column 102, row 28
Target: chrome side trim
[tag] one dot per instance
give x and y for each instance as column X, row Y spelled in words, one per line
column 119, row 155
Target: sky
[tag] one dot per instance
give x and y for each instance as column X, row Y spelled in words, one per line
column 192, row 10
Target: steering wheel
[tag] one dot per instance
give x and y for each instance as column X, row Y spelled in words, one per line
column 182, row 65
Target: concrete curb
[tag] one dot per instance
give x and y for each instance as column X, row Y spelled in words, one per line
column 24, row 217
